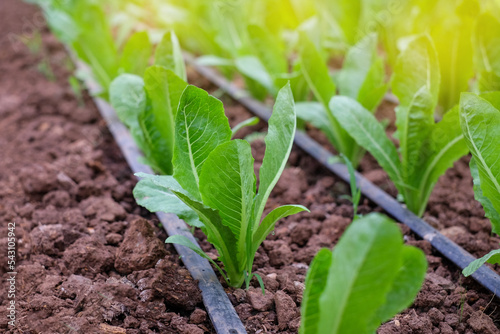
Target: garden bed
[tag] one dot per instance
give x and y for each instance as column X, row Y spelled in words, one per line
column 297, row 239
column 66, row 185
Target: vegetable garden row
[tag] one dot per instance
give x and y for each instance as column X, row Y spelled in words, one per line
column 285, row 53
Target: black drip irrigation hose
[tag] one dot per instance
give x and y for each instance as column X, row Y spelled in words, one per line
column 219, row 308
column 456, row 254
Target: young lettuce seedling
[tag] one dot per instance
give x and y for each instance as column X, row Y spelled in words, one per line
column 368, row 278
column 487, row 57
column 480, row 120
column 426, row 149
column 263, row 63
column 87, row 29
column 214, row 176
column 362, row 78
column 148, row 105
column 248, row 122
column 355, row 191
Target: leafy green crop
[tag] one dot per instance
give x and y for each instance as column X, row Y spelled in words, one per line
column 245, row 37
column 480, row 120
column 368, row 278
column 452, row 37
column 262, row 62
column 85, row 27
column 487, row 44
column 355, row 191
column 147, row 106
column 214, row 176
column 362, row 78
column 460, row 23
column 426, row 149
column 453, row 41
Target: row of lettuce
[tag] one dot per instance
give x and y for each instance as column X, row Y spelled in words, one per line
column 207, row 178
column 213, row 187
column 422, row 70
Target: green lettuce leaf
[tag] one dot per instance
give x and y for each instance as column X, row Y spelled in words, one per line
column 248, row 122
column 253, row 68
column 492, row 257
column 369, row 133
column 406, row 285
column 488, row 207
column 61, row 24
column 211, row 60
column 279, row 141
column 157, row 150
column 480, row 122
column 157, row 198
column 317, row 76
column 426, row 149
column 128, row 98
column 217, row 233
column 316, row 72
column 268, row 223
column 94, row 43
column 363, row 74
column 447, row 145
column 169, row 55
column 487, row 57
column 417, row 67
column 368, row 256
column 415, row 82
column 455, row 52
column 227, row 184
column 164, row 90
column 316, row 279
column 269, row 50
column 136, row 54
column 315, row 113
column 200, row 127
column 214, row 177
column 370, row 276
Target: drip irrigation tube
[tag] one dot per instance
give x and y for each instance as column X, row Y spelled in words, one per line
column 456, row 254
column 219, row 308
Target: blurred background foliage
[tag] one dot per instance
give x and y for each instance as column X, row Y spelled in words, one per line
column 232, row 34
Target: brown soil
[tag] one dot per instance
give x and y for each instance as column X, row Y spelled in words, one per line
column 88, row 261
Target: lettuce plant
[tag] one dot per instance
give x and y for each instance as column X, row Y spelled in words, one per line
column 487, row 57
column 214, row 177
column 361, row 78
column 452, row 37
column 355, row 196
column 480, row 121
column 453, row 42
column 368, row 278
column 148, row 105
column 252, row 38
column 263, row 63
column 85, row 27
column 426, row 149
column 347, row 22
